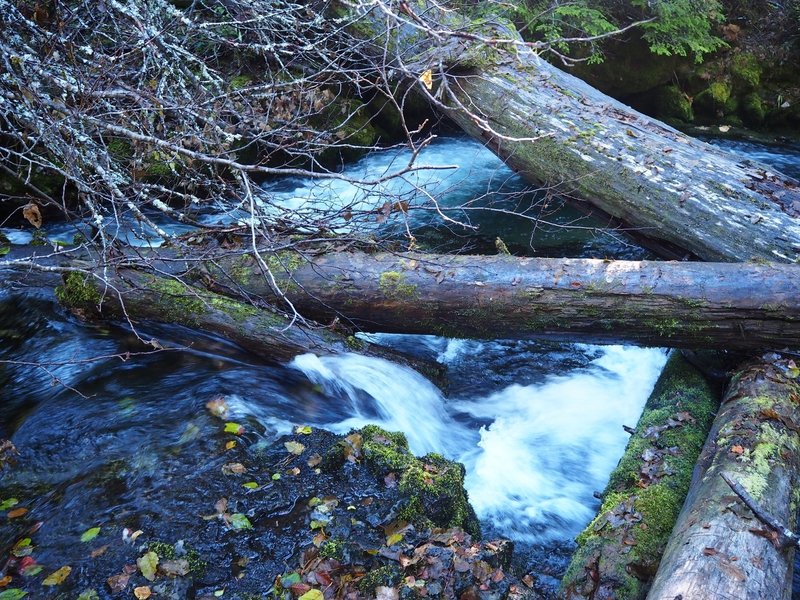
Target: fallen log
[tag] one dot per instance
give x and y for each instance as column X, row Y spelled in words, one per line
column 674, row 304
column 560, row 133
column 619, row 551
column 133, row 297
column 719, row 548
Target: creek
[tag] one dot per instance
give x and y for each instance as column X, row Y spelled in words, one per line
column 539, row 426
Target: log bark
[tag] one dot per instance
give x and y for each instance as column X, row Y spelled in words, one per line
column 718, row 548
column 559, row 132
column 675, row 304
column 619, row 551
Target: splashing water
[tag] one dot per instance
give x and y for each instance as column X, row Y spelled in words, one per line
column 534, row 454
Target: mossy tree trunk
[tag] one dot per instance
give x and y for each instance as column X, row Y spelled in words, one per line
column 718, row 549
column 559, row 132
column 673, row 304
column 618, row 553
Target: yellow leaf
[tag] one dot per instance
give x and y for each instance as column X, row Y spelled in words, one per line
column 294, row 447
column 57, row 577
column 142, row 592
column 427, row 79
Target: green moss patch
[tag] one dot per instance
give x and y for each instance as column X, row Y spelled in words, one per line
column 646, row 491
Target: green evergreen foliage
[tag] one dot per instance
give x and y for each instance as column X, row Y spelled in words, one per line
column 675, row 27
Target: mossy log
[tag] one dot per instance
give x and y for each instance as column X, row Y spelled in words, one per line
column 559, row 132
column 135, row 297
column 675, row 304
column 618, row 553
column 718, row 548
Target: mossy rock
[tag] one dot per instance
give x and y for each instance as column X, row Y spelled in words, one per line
column 752, row 110
column 431, row 487
column 671, row 103
column 746, row 71
column 712, row 100
column 350, row 121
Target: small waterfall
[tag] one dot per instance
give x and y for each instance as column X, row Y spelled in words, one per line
column 534, row 454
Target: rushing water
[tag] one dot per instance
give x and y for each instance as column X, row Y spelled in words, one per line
column 537, row 425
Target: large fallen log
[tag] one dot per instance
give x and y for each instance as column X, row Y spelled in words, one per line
column 675, row 304
column 718, row 548
column 557, row 131
column 619, row 551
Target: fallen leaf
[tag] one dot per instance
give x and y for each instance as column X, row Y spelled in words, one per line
column 737, row 450
column 174, row 567
column 17, row 512
column 314, row 460
column 303, row 429
column 22, row 548
column 8, row 503
column 99, row 551
column 240, row 521
column 230, row 445
column 250, row 485
column 147, row 565
column 293, row 471
column 90, row 534
column 427, row 79
column 233, row 469
column 57, row 577
column 32, row 213
column 12, row 594
column 312, row 595
column 5, row 581
column 142, row 592
column 294, row 447
column 89, row 594
column 234, row 428
column 218, row 407
column 118, row 583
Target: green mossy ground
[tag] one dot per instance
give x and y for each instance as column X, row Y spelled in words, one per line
column 637, row 508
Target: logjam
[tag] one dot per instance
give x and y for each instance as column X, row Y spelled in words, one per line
column 718, row 548
column 674, row 304
column 619, row 551
column 562, row 134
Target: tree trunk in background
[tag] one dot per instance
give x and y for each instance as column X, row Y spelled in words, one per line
column 718, row 549
column 619, row 551
column 675, row 304
column 582, row 144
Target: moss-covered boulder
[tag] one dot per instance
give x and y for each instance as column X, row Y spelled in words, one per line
column 711, row 101
column 671, row 103
column 618, row 553
column 752, row 110
column 431, row 487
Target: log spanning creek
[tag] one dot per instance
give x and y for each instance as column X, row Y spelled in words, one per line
column 108, row 448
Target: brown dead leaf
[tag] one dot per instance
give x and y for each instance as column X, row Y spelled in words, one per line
column 16, row 513
column 233, row 469
column 99, row 551
column 32, row 213
column 738, row 450
column 314, row 460
column 5, row 581
column 118, row 583
column 177, row 567
column 710, row 551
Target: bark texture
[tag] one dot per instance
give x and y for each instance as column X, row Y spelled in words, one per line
column 718, row 549
column 618, row 553
column 674, row 304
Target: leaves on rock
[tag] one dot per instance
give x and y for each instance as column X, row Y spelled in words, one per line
column 8, row 503
column 303, row 429
column 174, row 567
column 12, row 594
column 312, row 595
